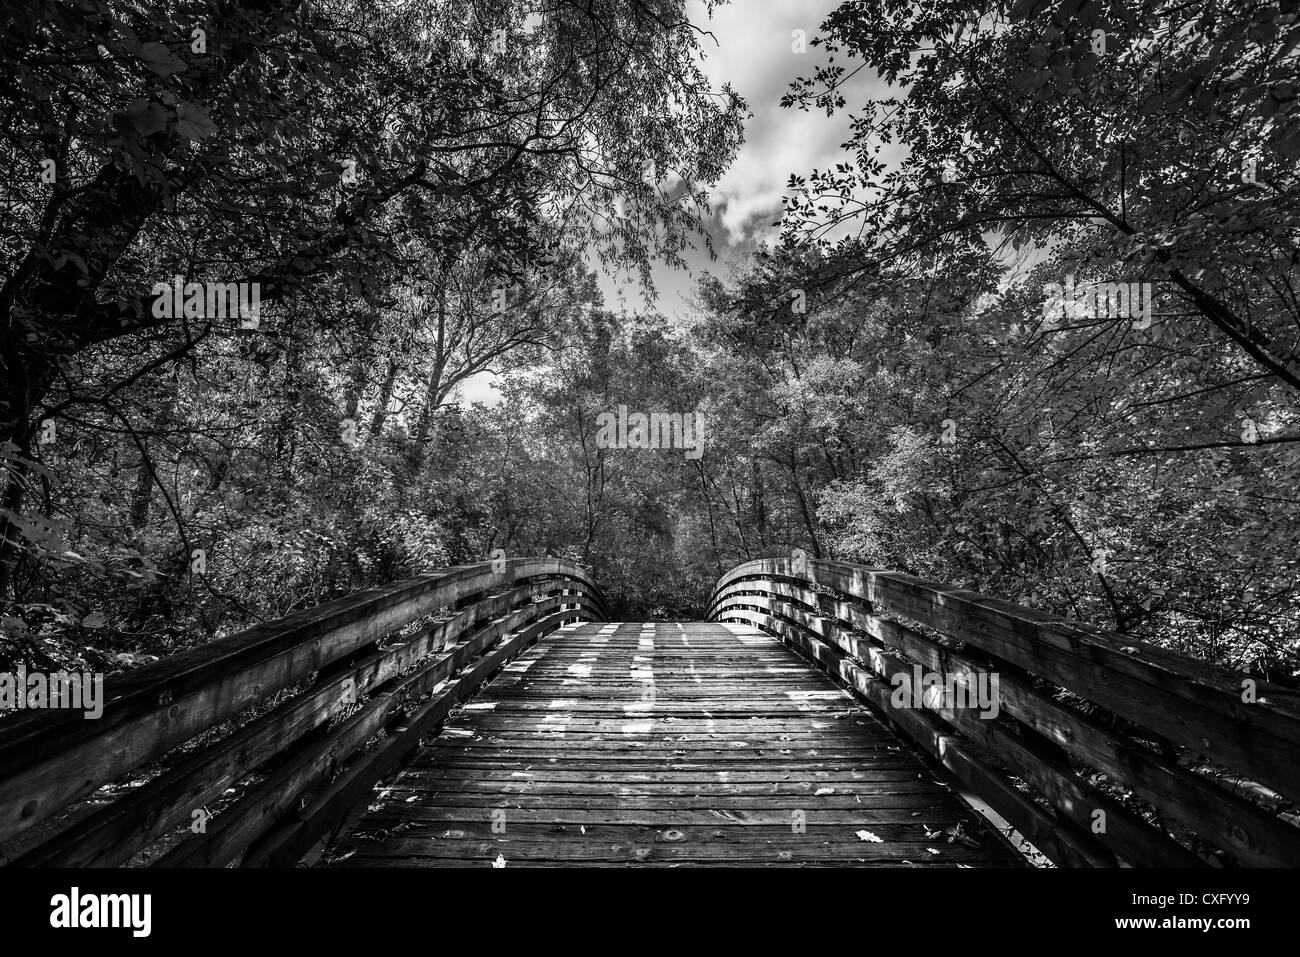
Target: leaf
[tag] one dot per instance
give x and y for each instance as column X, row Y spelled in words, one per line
column 147, row 118
column 67, row 256
column 958, row 833
column 1153, row 104
column 869, row 837
column 1024, row 9
column 1290, row 146
column 193, row 122
column 160, row 59
column 499, row 862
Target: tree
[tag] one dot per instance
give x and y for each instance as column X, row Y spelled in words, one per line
column 304, row 147
column 1164, row 139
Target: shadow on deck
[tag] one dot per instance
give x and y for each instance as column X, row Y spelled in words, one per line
column 667, row 744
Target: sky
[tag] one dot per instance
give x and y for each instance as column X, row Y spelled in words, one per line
column 753, row 52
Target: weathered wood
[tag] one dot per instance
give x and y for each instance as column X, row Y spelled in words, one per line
column 644, row 734
column 292, row 838
column 113, row 834
column 1238, row 826
column 1057, row 838
column 898, row 822
column 1191, row 703
column 685, row 750
column 261, row 806
column 54, row 757
column 919, row 803
column 653, row 845
column 832, row 604
column 1125, row 835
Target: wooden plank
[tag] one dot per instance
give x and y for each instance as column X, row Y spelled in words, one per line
column 53, row 757
column 290, row 839
column 110, row 836
column 1236, row 825
column 752, row 852
column 921, row 801
column 231, row 830
column 490, row 776
column 414, row 816
column 718, row 832
column 1060, row 840
column 364, row 862
column 715, row 761
column 1191, row 703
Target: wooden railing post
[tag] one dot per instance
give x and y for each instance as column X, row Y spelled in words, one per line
column 871, row 626
column 52, row 759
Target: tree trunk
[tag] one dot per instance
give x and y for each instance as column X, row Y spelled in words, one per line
column 803, row 507
column 385, row 397
column 434, row 392
column 757, row 505
column 141, row 497
column 10, row 537
column 433, row 397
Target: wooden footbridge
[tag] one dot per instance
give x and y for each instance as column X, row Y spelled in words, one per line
column 823, row 714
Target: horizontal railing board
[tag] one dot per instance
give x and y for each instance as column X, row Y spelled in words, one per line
column 1191, row 703
column 1126, row 835
column 230, row 831
column 1247, row 832
column 1236, row 825
column 1060, row 840
column 1250, row 834
column 54, row 757
column 295, row 835
column 113, row 834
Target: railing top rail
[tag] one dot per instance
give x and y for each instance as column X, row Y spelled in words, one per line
column 52, row 755
column 1193, row 703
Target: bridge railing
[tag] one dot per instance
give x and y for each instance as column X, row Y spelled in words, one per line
column 252, row 747
column 1102, row 750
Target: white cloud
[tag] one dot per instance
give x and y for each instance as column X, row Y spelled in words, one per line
column 753, row 187
column 753, row 53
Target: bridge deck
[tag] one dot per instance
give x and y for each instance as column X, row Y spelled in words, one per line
column 696, row 743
